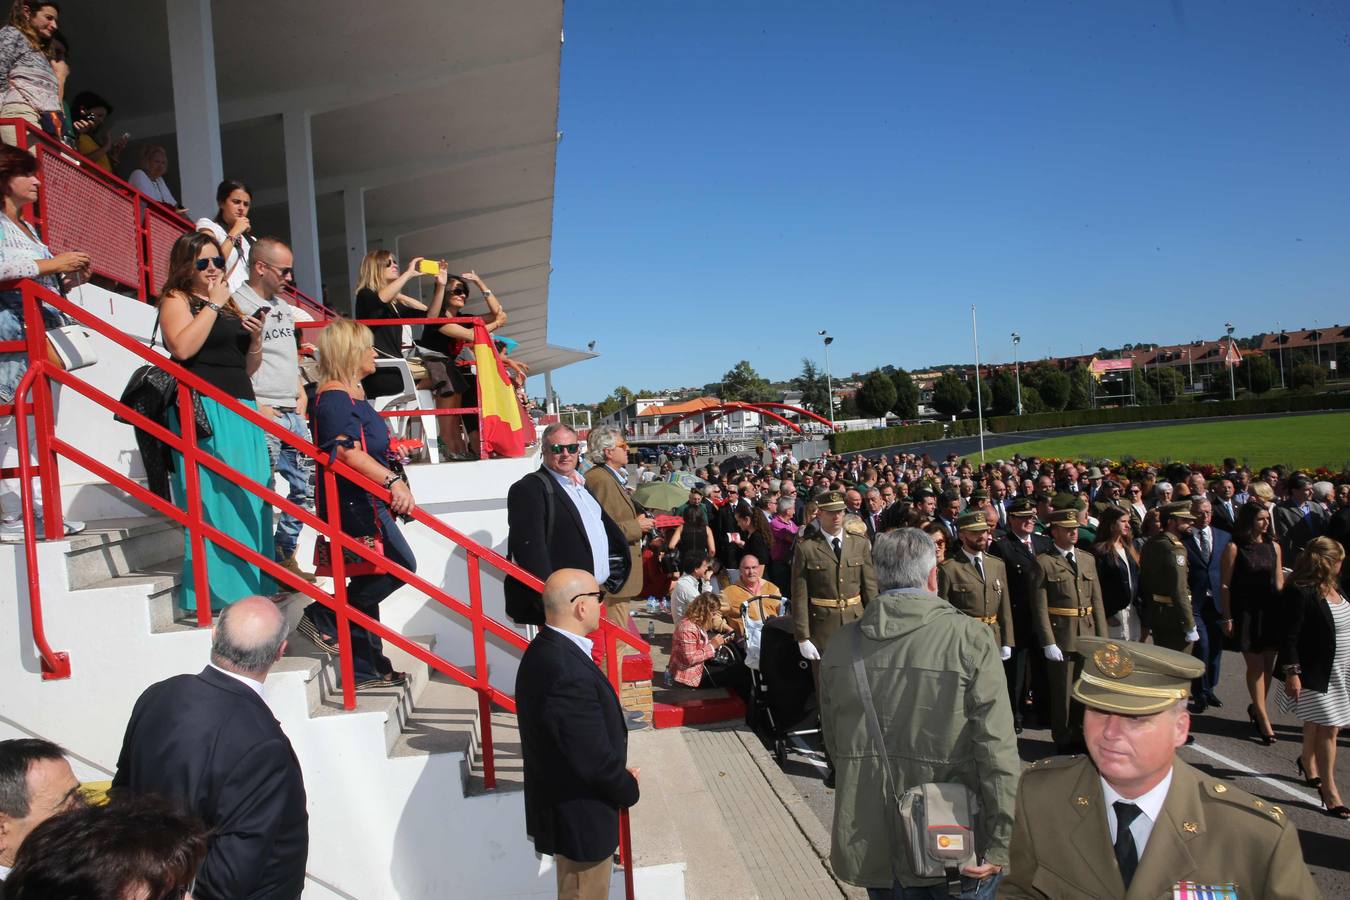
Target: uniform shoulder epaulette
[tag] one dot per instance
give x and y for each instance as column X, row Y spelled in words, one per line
column 1051, row 763
column 1233, row 796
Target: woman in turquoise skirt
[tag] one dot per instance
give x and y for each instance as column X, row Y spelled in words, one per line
column 206, row 334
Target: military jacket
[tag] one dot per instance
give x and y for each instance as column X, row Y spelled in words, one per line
column 1209, row 834
column 1164, row 589
column 1060, row 588
column 818, row 575
column 960, row 584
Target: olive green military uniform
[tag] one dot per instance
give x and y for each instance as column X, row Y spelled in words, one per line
column 1165, row 590
column 827, row 590
column 980, row 596
column 1210, row 839
column 1066, row 605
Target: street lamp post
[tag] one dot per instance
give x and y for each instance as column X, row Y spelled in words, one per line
column 829, row 381
column 1281, row 351
column 1017, row 371
column 1232, row 385
column 1317, row 336
column 1190, row 371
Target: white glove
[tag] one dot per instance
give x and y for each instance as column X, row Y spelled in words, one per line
column 808, row 650
column 1054, row 654
column 1193, row 635
column 1005, row 653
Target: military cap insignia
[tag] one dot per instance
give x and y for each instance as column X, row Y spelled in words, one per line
column 1220, row 788
column 1113, row 661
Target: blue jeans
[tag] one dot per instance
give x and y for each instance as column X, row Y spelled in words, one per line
column 297, row 470
column 364, row 593
column 971, row 889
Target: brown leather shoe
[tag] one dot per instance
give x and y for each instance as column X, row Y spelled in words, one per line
column 289, row 563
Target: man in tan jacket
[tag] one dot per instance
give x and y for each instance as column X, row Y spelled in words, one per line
column 607, row 481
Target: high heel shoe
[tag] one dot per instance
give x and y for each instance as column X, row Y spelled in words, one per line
column 1266, row 739
column 1339, row 812
column 1313, row 782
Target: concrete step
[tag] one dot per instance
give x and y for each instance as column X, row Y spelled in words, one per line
column 160, row 584
column 109, row 548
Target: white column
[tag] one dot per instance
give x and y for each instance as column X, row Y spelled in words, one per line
column 192, row 60
column 300, row 200
column 354, row 210
column 550, row 404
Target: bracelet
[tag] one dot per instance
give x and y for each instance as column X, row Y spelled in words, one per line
column 216, row 306
column 1293, row 669
column 487, row 293
column 392, row 479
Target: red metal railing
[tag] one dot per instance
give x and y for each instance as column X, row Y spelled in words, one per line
column 85, row 207
column 55, row 664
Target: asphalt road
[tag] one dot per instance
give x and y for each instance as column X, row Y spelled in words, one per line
column 970, row 446
column 1225, row 747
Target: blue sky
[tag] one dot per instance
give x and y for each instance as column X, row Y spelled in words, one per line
column 736, row 176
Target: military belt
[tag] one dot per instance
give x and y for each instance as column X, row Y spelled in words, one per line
column 1162, row 599
column 836, row 604
column 1069, row 610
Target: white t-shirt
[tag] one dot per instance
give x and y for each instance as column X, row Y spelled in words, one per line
column 236, row 269
column 277, row 380
column 155, row 189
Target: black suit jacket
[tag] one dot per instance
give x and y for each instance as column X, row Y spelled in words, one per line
column 1203, row 575
column 1022, row 577
column 1119, row 579
column 1222, row 520
column 1294, row 530
column 575, row 745
column 543, row 554
column 211, row 744
column 1308, row 636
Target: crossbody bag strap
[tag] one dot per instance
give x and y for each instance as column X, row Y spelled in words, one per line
column 870, row 714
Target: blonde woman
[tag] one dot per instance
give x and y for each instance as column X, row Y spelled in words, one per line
column 693, row 649
column 346, row 426
column 379, row 295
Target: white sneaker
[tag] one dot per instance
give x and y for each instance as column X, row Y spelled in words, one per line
column 12, row 532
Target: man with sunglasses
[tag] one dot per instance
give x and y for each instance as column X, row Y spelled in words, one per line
column 554, row 523
column 573, row 740
column 607, row 481
column 277, row 383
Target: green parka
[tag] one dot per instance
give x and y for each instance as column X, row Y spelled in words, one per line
column 942, row 699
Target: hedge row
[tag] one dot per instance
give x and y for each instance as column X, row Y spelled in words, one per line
column 852, row 441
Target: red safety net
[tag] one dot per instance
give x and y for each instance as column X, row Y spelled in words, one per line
column 161, row 231
column 83, row 213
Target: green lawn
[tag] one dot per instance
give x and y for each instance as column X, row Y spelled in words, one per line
column 1303, row 441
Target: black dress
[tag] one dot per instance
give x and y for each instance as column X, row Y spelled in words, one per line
column 388, row 340
column 1252, row 589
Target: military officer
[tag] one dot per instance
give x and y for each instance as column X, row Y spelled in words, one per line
column 1018, row 549
column 1164, row 585
column 1131, row 821
column 832, row 580
column 1067, row 606
column 975, row 582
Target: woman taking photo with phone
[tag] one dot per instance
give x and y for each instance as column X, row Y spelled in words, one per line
column 230, row 228
column 206, row 333
column 379, row 295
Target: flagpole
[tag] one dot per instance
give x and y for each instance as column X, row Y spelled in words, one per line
column 979, row 399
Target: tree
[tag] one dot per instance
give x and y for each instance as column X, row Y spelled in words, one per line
column 848, row 407
column 950, row 394
column 815, row 394
column 1052, row 384
column 906, row 395
column 1308, row 376
column 877, row 395
column 1031, row 401
column 1166, row 382
column 1003, row 393
column 1145, row 394
column 616, row 401
column 743, row 383
column 1258, row 373
column 1081, row 388
column 986, row 394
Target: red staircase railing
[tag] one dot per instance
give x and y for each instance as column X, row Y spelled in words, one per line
column 37, row 381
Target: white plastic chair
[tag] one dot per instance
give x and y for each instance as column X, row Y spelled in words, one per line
column 409, row 398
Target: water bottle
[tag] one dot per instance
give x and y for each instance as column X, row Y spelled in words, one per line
column 651, row 605
column 651, row 632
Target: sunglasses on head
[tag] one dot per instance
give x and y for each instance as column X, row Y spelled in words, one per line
column 561, row 448
column 217, row 261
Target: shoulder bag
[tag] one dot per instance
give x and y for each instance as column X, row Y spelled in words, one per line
column 152, row 391
column 936, row 821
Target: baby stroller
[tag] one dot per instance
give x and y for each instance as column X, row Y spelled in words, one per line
column 780, row 680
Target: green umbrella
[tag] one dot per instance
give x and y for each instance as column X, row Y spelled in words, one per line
column 661, row 495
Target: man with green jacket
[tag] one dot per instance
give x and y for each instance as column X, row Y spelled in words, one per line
column 919, row 653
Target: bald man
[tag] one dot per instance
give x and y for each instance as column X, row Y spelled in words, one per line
column 574, row 740
column 209, row 742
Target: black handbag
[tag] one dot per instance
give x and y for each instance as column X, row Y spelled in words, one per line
column 152, row 392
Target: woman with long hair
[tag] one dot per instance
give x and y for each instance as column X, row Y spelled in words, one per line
column 23, row 255
column 206, row 333
column 696, row 523
column 1118, row 571
column 1250, row 580
column 346, row 426
column 379, row 295
column 1315, row 664
column 694, row 646
column 452, row 386
column 230, row 229
column 752, row 536
column 30, row 88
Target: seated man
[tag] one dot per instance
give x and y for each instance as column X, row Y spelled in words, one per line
column 765, row 598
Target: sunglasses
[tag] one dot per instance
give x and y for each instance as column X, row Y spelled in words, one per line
column 283, row 271
column 563, row 448
column 393, row 263
column 217, row 261
column 460, row 291
column 598, row 595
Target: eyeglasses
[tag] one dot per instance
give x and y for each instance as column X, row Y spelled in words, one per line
column 217, row 261
column 393, row 263
column 620, row 446
column 555, row 449
column 598, row 595
column 283, row 271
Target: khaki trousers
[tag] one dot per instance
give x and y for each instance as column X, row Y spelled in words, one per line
column 582, row 880
column 616, row 610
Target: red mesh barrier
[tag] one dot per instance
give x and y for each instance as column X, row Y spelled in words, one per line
column 84, row 213
column 161, row 233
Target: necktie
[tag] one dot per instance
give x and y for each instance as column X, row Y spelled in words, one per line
column 1127, row 855
column 1073, row 563
column 979, row 566
column 1204, row 543
column 838, row 547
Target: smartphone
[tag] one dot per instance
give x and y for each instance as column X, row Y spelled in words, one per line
column 260, row 313
column 429, row 267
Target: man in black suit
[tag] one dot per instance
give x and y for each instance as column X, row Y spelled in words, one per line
column 554, row 523
column 1018, row 549
column 1225, row 506
column 209, row 743
column 1204, row 548
column 1298, row 519
column 574, row 741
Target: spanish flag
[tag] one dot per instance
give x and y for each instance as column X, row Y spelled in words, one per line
column 499, row 417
